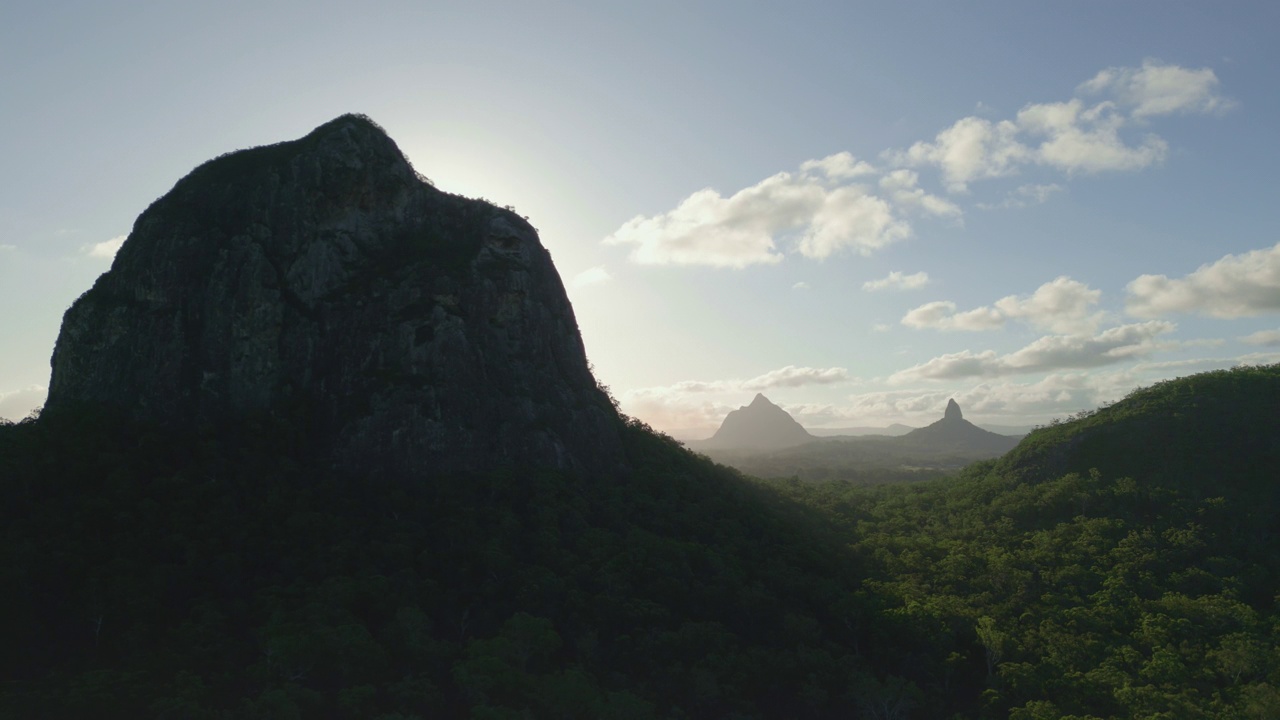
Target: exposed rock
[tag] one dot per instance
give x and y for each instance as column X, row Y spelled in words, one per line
column 758, row 426
column 323, row 279
column 953, row 411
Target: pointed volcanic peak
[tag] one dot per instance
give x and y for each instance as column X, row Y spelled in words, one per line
column 324, row 281
column 758, row 426
column 954, row 431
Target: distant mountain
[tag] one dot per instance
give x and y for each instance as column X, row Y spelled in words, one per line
column 760, row 426
column 893, row 430
column 938, row 449
column 953, row 431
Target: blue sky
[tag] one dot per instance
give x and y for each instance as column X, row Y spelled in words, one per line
column 859, row 209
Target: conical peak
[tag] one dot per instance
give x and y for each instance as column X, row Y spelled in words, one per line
column 760, row 401
column 953, row 411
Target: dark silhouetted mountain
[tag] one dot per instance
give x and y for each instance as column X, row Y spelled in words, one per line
column 954, row 432
column 323, row 279
column 758, row 426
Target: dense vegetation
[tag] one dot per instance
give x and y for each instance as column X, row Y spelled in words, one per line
column 216, row 574
column 1125, row 564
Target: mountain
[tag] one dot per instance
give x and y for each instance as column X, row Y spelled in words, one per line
column 323, row 280
column 954, row 432
column 939, row 449
column 758, row 426
column 323, row 443
column 893, row 430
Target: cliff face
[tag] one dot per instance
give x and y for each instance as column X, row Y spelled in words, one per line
column 323, row 279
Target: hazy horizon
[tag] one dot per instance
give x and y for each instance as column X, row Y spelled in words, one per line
column 861, row 212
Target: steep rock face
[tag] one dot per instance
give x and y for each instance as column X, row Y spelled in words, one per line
column 953, row 411
column 758, row 426
column 323, row 279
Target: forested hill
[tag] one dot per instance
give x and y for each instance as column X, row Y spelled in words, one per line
column 160, row 573
column 200, row 573
column 1211, row 433
column 1124, row 564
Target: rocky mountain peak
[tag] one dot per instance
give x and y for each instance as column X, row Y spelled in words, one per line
column 952, row 411
column 323, row 280
column 758, row 426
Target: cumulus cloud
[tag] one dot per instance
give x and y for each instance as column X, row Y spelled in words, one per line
column 973, row 148
column 16, row 404
column 1062, row 305
column 897, row 281
column 1047, row 354
column 1156, row 89
column 1072, row 135
column 693, row 408
column 1266, row 338
column 802, row 285
column 816, row 212
column 902, row 186
column 841, row 204
column 792, row 376
column 106, row 248
column 789, row 377
column 942, row 315
column 592, row 276
column 840, row 166
column 1233, row 286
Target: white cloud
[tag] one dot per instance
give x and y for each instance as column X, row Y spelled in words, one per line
column 1266, row 338
column 851, row 218
column 903, row 187
column 6, row 248
column 1155, row 89
column 802, row 285
column 695, row 408
column 15, row 404
column 942, row 315
column 1062, row 305
column 971, row 149
column 1071, row 136
column 673, row 411
column 1049, row 353
column 592, row 276
column 841, row 166
column 106, row 248
column 820, row 210
column 897, row 281
column 1233, row 286
column 1261, row 358
column 792, row 376
column 880, row 327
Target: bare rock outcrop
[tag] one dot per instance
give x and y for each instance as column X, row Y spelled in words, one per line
column 323, row 280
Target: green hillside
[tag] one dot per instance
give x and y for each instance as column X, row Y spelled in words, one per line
column 1124, row 564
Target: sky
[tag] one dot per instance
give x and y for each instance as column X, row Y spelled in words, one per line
column 860, row 210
